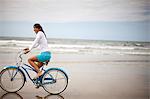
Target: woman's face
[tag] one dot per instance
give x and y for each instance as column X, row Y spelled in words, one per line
column 36, row 30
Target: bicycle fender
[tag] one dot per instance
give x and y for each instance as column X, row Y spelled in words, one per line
column 6, row 67
column 56, row 69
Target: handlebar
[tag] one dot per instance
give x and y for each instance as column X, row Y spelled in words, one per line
column 20, row 53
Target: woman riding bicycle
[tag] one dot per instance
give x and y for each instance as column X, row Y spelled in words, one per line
column 40, row 42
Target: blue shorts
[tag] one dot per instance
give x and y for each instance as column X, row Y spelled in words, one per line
column 44, row 56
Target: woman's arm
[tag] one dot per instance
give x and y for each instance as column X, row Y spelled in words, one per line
column 35, row 42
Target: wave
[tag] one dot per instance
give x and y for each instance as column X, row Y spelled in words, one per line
column 78, row 46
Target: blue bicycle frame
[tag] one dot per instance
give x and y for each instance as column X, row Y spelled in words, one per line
column 23, row 69
column 48, row 77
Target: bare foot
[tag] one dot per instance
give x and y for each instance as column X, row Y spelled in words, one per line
column 39, row 73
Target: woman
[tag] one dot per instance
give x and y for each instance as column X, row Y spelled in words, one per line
column 40, row 42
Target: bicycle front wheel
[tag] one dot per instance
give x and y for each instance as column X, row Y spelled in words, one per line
column 55, row 81
column 11, row 79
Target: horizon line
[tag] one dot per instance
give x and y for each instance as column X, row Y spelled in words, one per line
column 75, row 39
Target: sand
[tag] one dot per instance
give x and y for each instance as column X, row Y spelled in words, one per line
column 91, row 76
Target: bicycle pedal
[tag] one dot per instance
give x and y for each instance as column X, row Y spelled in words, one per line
column 37, row 87
column 34, row 80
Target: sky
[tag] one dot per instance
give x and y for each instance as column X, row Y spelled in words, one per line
column 77, row 19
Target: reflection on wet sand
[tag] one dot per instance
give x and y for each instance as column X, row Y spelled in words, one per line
column 50, row 97
column 11, row 95
column 18, row 96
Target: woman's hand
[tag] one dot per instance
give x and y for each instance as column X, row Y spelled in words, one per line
column 26, row 50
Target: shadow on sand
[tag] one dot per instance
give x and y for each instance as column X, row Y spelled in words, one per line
column 18, row 96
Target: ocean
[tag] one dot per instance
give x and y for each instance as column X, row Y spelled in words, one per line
column 79, row 46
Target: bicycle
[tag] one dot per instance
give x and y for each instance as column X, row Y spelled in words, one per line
column 13, row 78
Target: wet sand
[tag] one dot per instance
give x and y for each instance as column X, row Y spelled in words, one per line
column 92, row 77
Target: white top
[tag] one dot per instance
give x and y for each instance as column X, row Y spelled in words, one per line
column 40, row 41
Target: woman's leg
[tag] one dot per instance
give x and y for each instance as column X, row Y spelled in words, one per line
column 40, row 64
column 32, row 61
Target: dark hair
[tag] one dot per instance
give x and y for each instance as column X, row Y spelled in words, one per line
column 37, row 25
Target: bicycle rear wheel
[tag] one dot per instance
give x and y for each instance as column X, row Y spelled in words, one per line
column 55, row 81
column 11, row 79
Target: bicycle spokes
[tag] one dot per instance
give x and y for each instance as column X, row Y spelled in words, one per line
column 11, row 79
column 12, row 73
column 54, row 81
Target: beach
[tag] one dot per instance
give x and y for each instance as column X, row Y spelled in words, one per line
column 105, row 75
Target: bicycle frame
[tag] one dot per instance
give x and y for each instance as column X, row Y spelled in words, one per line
column 28, row 67
column 24, row 70
column 25, row 67
column 21, row 71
